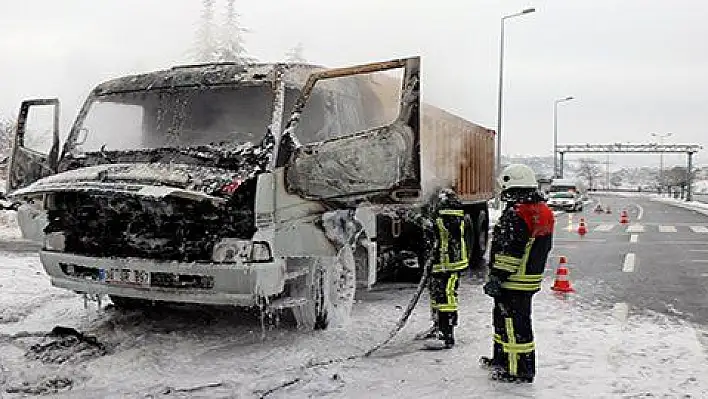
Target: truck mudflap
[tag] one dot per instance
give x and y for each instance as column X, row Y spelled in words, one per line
column 238, row 284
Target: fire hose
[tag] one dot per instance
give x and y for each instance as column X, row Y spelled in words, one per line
column 409, row 310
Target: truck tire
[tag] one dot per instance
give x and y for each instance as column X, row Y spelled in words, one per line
column 480, row 238
column 328, row 292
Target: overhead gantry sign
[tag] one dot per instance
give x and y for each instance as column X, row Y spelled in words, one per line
column 624, row 148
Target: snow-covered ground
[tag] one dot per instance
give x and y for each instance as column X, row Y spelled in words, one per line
column 585, row 350
column 9, row 230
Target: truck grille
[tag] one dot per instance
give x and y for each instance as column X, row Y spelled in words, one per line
column 122, row 225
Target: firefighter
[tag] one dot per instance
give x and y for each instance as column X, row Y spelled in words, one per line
column 450, row 257
column 521, row 242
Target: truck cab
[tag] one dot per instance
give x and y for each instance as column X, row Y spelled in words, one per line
column 243, row 185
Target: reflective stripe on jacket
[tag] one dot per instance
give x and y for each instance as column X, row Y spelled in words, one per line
column 522, row 240
column 451, row 253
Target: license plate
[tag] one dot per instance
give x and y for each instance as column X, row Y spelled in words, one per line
column 125, row 277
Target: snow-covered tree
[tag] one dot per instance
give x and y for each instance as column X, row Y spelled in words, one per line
column 206, row 46
column 590, row 170
column 231, row 47
column 7, row 129
column 295, row 54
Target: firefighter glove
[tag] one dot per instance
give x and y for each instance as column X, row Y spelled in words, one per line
column 493, row 287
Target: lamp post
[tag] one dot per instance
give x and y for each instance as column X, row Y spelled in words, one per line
column 555, row 134
column 661, row 138
column 501, row 86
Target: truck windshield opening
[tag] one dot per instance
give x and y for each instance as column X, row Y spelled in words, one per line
column 178, row 117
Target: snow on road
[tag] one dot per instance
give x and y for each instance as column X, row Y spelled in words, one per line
column 206, row 352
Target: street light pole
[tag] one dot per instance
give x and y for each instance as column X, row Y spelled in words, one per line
column 555, row 135
column 501, row 86
column 661, row 138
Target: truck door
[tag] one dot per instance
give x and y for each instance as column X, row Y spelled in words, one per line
column 36, row 143
column 379, row 165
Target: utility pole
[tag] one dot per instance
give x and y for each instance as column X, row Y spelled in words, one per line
column 555, row 135
column 501, row 87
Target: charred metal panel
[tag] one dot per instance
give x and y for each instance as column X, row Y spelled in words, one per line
column 123, row 225
column 370, row 165
column 27, row 166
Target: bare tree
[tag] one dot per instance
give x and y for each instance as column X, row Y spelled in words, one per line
column 295, row 54
column 231, row 48
column 590, row 170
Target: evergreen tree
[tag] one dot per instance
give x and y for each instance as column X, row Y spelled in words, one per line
column 295, row 54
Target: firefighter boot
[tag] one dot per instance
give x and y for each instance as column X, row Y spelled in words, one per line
column 500, row 374
column 447, row 326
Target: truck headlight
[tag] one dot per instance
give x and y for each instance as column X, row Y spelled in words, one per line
column 55, row 242
column 260, row 252
column 231, row 250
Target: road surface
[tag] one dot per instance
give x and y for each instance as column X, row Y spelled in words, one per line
column 659, row 261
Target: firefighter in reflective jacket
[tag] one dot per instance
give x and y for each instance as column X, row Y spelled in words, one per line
column 449, row 258
column 521, row 242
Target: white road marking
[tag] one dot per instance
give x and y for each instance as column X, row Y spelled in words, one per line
column 704, row 274
column 605, row 227
column 667, row 229
column 579, row 240
column 629, row 261
column 675, row 242
column 635, row 228
column 620, row 311
column 634, row 238
column 699, row 229
column 570, row 222
column 699, row 260
column 640, row 212
column 698, row 250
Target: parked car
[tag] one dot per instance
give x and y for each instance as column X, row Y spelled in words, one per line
column 567, row 201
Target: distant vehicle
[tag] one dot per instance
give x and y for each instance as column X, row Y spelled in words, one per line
column 566, row 185
column 567, row 201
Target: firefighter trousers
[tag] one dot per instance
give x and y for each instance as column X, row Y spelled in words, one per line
column 514, row 348
column 443, row 299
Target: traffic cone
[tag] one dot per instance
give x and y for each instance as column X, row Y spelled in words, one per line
column 562, row 282
column 624, row 217
column 582, row 228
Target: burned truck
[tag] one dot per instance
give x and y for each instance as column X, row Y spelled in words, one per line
column 248, row 185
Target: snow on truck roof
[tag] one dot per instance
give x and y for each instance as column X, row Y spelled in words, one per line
column 214, row 74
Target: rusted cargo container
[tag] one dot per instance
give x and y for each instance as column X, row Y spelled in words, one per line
column 457, row 153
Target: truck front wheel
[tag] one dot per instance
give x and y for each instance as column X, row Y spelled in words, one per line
column 327, row 292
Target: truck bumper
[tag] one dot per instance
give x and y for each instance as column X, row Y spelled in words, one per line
column 237, row 284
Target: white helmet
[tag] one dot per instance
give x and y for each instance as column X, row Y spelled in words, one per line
column 517, row 176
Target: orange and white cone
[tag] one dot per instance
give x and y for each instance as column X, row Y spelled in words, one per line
column 624, row 217
column 582, row 228
column 562, row 282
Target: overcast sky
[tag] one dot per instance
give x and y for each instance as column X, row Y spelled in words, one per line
column 635, row 66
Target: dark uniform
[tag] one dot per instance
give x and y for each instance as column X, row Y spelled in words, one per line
column 522, row 240
column 447, row 230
